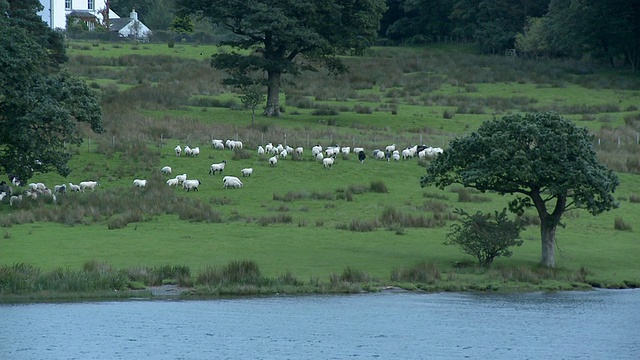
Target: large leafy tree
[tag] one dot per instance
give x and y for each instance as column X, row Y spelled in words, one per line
column 287, row 36
column 543, row 159
column 40, row 105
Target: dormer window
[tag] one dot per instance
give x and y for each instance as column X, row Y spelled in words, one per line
column 67, row 4
column 91, row 4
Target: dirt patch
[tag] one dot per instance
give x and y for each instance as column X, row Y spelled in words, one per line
column 167, row 290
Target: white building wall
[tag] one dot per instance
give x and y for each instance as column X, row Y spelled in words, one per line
column 60, row 13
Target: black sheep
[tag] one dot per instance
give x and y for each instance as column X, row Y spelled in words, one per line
column 362, row 156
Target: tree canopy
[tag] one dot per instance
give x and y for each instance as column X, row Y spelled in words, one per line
column 287, row 36
column 40, row 105
column 542, row 158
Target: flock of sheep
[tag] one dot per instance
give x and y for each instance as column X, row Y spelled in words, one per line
column 327, row 156
column 35, row 190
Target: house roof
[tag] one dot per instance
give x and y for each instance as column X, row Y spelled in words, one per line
column 118, row 24
column 82, row 14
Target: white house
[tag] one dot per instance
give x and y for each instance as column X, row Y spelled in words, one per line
column 91, row 12
column 130, row 27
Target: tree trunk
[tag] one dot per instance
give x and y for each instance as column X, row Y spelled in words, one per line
column 548, row 235
column 273, row 94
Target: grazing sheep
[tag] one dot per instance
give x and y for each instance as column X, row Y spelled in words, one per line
column 181, row 178
column 166, row 170
column 246, row 172
column 88, row 185
column 6, row 188
column 74, row 188
column 390, row 148
column 195, row 151
column 299, row 150
column 139, row 183
column 219, row 167
column 327, row 162
column 60, row 189
column 406, row 154
column 319, row 156
column 173, row 182
column 358, row 149
column 187, row 150
column 317, row 149
column 273, row 160
column 217, row 144
column 231, row 182
column 283, row 154
column 395, row 157
column 191, row 185
column 268, row 148
column 378, row 154
column 260, row 150
column 178, row 150
column 234, row 144
column 15, row 199
column 15, row 180
column 361, row 156
column 346, row 150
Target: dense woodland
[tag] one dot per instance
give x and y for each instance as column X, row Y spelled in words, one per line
column 602, row 30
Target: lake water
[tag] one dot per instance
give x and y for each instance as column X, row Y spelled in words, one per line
column 602, row 324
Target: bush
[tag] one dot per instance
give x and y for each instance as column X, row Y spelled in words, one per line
column 378, row 186
column 485, row 236
column 423, row 272
column 620, row 224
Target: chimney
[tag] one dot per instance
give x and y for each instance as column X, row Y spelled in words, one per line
column 134, row 14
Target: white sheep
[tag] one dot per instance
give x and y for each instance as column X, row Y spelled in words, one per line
column 178, row 150
column 299, row 150
column 283, row 154
column 15, row 199
column 317, row 149
column 219, row 167
column 88, row 185
column 395, row 157
column 74, row 188
column 357, row 150
column 166, row 170
column 319, row 156
column 346, row 150
column 406, row 154
column 217, row 144
column 390, row 148
column 267, row 148
column 61, row 189
column 246, row 172
column 191, row 184
column 187, row 150
column 231, row 182
column 195, row 151
column 378, row 154
column 181, row 178
column 173, row 182
column 260, row 150
column 139, row 183
column 327, row 162
column 273, row 160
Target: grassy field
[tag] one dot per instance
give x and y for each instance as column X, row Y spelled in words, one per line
column 298, row 217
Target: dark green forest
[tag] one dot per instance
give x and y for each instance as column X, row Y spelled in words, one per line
column 606, row 31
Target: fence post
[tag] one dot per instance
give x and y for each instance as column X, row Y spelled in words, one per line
column 262, row 138
column 285, row 139
column 618, row 140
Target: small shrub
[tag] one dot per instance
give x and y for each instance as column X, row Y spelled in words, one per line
column 620, row 224
column 485, row 236
column 352, row 275
column 275, row 219
column 378, row 186
column 634, row 198
column 427, row 273
column 448, row 114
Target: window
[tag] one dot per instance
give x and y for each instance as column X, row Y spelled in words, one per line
column 91, row 5
column 67, row 4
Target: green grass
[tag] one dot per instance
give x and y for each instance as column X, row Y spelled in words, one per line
column 418, row 84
